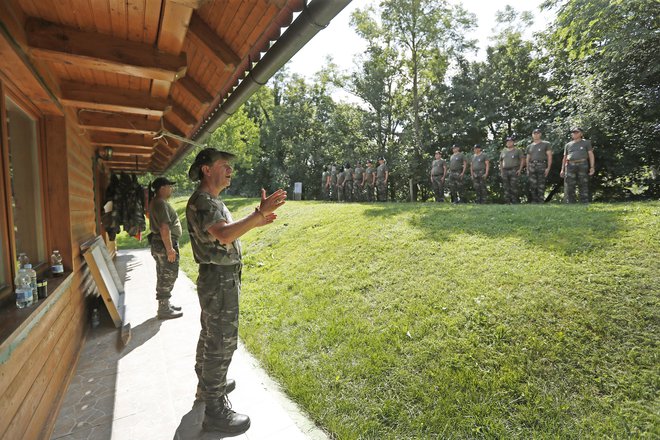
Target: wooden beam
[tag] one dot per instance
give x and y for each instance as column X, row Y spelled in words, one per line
column 193, row 4
column 59, row 44
column 195, row 90
column 117, row 122
column 205, row 38
column 112, row 99
column 183, row 115
column 110, row 139
column 120, row 152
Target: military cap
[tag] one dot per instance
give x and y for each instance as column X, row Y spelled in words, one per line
column 206, row 157
column 160, row 182
column 381, row 158
column 536, row 130
column 575, row 129
column 510, row 138
column 476, row 146
column 456, row 146
column 369, row 161
column 437, row 152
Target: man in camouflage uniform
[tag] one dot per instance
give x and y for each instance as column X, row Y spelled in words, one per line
column 332, row 182
column 457, row 167
column 479, row 169
column 511, row 165
column 382, row 174
column 325, row 189
column 539, row 162
column 348, row 182
column 369, row 181
column 438, row 174
column 340, row 184
column 577, row 165
column 358, row 184
column 164, row 239
column 214, row 237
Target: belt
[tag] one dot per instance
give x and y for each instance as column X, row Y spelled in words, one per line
column 577, row 161
column 225, row 268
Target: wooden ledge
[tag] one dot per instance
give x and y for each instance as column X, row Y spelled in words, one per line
column 18, row 323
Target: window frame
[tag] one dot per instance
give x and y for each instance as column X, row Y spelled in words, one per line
column 6, row 215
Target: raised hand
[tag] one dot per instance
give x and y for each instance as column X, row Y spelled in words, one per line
column 272, row 202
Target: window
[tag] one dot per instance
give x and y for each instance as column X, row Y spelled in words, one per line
column 23, row 213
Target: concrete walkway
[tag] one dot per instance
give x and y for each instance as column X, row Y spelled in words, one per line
column 146, row 390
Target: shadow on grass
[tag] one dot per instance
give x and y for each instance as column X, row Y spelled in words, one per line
column 567, row 229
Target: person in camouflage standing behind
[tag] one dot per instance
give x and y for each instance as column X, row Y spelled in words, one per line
column 382, row 174
column 539, row 162
column 340, row 183
column 164, row 240
column 438, row 174
column 332, row 181
column 358, row 185
column 511, row 165
column 325, row 189
column 457, row 167
column 348, row 182
column 577, row 165
column 369, row 181
column 214, row 238
column 479, row 169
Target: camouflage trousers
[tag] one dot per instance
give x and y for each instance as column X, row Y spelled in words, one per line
column 438, row 185
column 455, row 183
column 166, row 272
column 325, row 192
column 218, row 289
column 479, row 183
column 358, row 192
column 348, row 190
column 510, row 185
column 537, row 181
column 381, row 190
column 340, row 193
column 369, row 192
column 576, row 174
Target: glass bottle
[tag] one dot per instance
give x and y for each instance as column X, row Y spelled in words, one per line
column 56, row 264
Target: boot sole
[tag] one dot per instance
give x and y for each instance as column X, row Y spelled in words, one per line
column 170, row 316
column 224, row 433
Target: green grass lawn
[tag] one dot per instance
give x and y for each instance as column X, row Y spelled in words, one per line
column 402, row 321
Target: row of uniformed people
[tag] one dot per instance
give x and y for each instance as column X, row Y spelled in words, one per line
column 578, row 164
column 355, row 184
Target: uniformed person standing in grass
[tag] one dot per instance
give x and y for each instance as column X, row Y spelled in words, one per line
column 457, row 167
column 214, row 237
column 577, row 165
column 438, row 174
column 164, row 239
column 511, row 165
column 479, row 169
column 539, row 162
column 382, row 174
column 333, row 182
column 369, row 181
column 324, row 183
column 340, row 183
column 348, row 182
column 358, row 184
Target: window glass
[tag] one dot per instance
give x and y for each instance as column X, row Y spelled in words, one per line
column 25, row 177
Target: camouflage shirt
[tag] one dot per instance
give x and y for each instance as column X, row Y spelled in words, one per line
column 538, row 151
column 456, row 162
column 340, row 178
column 479, row 162
column 577, row 150
column 348, row 174
column 438, row 167
column 161, row 212
column 368, row 175
column 357, row 174
column 203, row 211
column 511, row 158
column 324, row 177
column 380, row 171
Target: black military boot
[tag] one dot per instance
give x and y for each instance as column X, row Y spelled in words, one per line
column 219, row 417
column 165, row 311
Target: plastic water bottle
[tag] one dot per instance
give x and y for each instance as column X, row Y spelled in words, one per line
column 33, row 281
column 56, row 264
column 22, row 260
column 23, row 289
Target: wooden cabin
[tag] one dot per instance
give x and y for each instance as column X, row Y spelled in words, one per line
column 80, row 79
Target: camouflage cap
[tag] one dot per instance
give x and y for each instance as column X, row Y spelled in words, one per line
column 206, row 157
column 576, row 129
column 510, row 138
column 536, row 130
column 476, row 146
column 160, row 182
column 456, row 146
column 437, row 152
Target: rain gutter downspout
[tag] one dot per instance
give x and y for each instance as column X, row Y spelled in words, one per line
column 313, row 18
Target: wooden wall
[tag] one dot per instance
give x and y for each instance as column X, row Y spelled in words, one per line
column 34, row 378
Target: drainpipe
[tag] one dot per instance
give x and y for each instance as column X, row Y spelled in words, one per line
column 313, row 18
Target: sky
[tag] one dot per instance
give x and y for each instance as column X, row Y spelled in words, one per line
column 340, row 42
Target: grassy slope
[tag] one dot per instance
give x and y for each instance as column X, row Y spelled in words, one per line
column 424, row 321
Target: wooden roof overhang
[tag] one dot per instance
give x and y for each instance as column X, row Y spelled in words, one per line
column 129, row 71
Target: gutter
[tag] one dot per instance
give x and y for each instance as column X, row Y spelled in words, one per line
column 313, row 18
